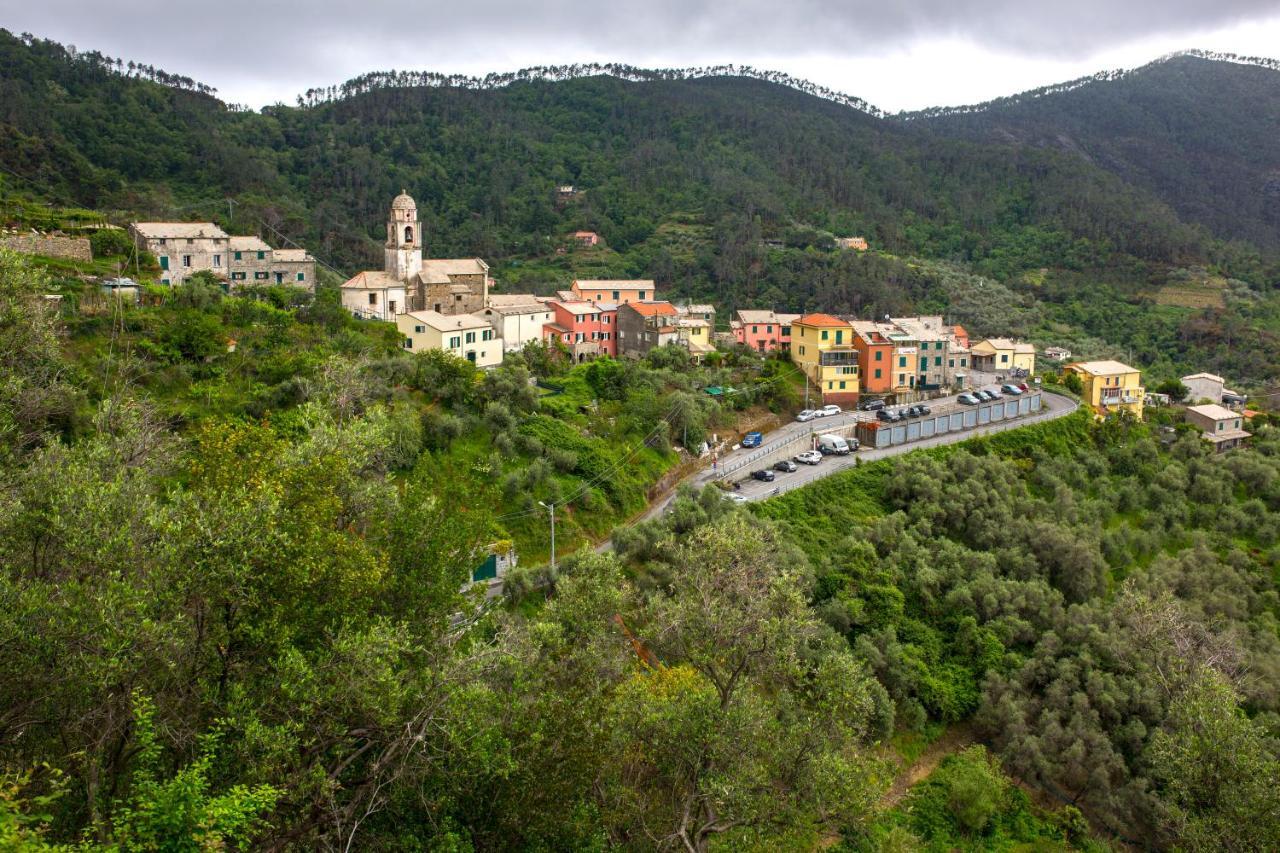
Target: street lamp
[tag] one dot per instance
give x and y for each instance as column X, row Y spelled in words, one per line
column 551, row 508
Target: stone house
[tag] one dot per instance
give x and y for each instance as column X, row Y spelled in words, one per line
column 1220, row 426
column 642, row 326
column 183, row 248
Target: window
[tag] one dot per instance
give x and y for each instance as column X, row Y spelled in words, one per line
column 190, row 241
column 755, row 330
column 408, row 234
column 408, row 343
column 1220, row 426
column 417, row 330
column 164, row 262
column 924, row 362
column 768, row 330
column 902, row 361
column 1004, row 358
column 615, row 296
column 262, row 255
column 260, row 276
column 802, row 350
column 839, row 336
column 951, row 362
column 302, row 276
column 486, row 335
column 471, row 337
column 217, row 260
column 841, row 384
column 455, row 342
column 879, row 355
column 373, row 299
column 937, row 361
column 391, row 306
column 237, row 276
column 786, row 331
column 239, row 256
column 186, row 260
column 964, row 362
column 877, row 373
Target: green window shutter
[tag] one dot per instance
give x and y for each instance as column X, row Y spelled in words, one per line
column 238, row 256
column 164, row 262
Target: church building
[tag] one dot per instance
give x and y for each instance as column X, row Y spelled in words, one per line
column 408, row 283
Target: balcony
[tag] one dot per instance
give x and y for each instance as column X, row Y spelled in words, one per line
column 838, row 357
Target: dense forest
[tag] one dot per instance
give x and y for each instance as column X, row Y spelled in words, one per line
column 234, row 610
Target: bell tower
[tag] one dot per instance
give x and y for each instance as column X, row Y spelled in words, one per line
column 403, row 258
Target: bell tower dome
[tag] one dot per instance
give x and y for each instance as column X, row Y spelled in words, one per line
column 403, row 258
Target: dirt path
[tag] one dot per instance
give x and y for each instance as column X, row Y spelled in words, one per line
column 954, row 739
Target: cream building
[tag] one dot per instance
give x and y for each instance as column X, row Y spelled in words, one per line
column 1000, row 354
column 463, row 335
column 518, row 323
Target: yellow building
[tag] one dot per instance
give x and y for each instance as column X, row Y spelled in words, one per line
column 695, row 334
column 463, row 335
column 1110, row 386
column 997, row 355
column 822, row 346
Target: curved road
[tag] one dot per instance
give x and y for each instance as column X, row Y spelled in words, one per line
column 1052, row 406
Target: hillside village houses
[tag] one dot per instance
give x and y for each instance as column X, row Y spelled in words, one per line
column 1220, row 426
column 762, row 331
column 1208, row 388
column 185, row 248
column 1109, row 387
column 1000, row 355
column 618, row 292
column 463, row 335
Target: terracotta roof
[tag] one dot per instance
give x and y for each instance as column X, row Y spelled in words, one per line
column 822, row 320
column 652, row 309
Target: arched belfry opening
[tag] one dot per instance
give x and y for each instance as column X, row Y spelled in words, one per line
column 408, row 233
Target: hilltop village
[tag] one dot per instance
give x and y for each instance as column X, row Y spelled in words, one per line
column 450, row 305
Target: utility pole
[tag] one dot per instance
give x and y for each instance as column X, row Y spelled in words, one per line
column 551, row 508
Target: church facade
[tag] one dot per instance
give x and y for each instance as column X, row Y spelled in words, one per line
column 408, row 283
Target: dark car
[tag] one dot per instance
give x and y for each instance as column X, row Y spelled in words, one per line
column 924, row 410
column 888, row 415
column 908, row 412
column 984, row 396
column 872, row 405
column 764, row 475
column 786, row 466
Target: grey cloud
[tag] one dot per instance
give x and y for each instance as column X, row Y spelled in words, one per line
column 287, row 47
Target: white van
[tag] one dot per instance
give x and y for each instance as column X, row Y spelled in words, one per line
column 830, row 443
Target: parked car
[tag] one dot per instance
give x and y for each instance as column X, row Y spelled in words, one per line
column 833, row 444
column 806, row 415
column 1011, row 390
column 786, row 466
column 921, row 410
column 829, row 409
column 764, row 475
column 983, row 395
column 734, row 497
column 888, row 415
column 752, row 439
column 968, row 399
column 809, row 457
column 872, row 405
column 994, row 395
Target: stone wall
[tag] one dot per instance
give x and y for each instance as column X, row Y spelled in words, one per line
column 73, row 248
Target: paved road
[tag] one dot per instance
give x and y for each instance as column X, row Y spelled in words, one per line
column 1052, row 406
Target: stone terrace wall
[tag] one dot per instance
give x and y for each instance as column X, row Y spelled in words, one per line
column 73, row 248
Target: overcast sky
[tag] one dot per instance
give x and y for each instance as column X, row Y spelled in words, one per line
column 896, row 55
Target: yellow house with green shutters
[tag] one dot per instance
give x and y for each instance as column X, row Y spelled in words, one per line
column 1110, row 386
column 822, row 346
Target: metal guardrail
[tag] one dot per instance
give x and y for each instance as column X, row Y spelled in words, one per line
column 816, row 427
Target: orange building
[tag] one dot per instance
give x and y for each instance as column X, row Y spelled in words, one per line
column 875, row 358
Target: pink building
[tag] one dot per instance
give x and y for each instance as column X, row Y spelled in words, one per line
column 763, row 331
column 587, row 330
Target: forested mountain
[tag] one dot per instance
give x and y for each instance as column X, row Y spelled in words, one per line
column 1198, row 133
column 728, row 188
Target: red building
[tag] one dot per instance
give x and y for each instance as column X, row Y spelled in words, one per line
column 587, row 330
